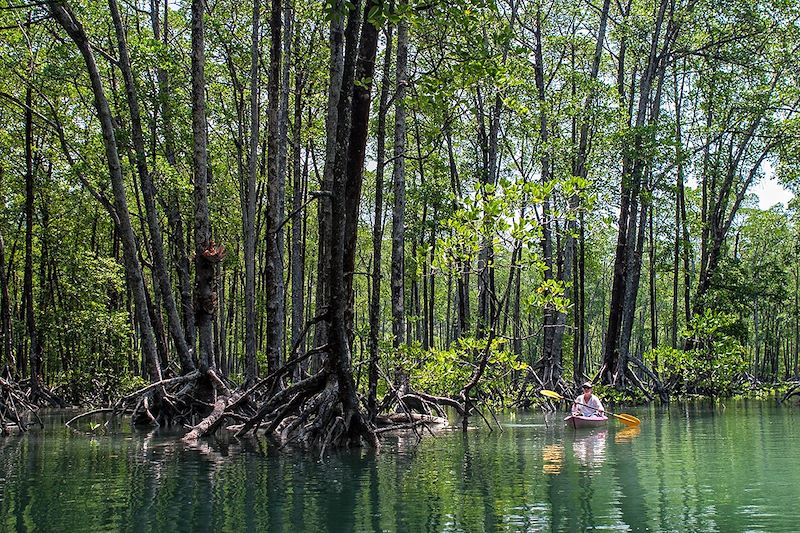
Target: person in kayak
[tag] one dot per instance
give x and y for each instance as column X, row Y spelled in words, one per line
column 591, row 404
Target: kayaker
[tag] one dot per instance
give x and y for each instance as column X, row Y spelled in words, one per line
column 592, row 406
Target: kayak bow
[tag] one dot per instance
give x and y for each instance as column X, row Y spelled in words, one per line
column 578, row 421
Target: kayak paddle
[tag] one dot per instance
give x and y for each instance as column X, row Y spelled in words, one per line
column 628, row 420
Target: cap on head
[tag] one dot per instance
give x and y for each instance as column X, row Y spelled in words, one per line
column 587, row 385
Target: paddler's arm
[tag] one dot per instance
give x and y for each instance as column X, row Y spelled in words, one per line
column 600, row 410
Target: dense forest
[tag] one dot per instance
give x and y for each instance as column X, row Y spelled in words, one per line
column 311, row 215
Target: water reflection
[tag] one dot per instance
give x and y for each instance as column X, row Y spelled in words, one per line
column 691, row 473
column 552, row 458
column 590, row 448
column 627, row 434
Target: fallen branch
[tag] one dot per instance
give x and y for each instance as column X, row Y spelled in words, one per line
column 209, row 423
column 398, row 418
column 441, row 400
column 415, row 423
column 94, row 412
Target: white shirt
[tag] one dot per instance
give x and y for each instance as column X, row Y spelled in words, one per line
column 589, row 408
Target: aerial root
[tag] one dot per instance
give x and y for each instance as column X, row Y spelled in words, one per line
column 311, row 413
column 15, row 407
column 793, row 391
column 180, row 400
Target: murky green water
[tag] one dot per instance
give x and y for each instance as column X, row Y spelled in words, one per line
column 688, row 468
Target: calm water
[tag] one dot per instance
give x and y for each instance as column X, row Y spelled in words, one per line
column 691, row 467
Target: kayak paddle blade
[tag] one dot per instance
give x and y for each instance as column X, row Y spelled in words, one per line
column 628, row 420
column 551, row 394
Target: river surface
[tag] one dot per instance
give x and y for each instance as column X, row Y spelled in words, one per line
column 690, row 467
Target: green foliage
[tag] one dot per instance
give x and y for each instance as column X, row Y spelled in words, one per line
column 445, row 372
column 87, row 386
column 614, row 396
column 712, row 365
column 506, row 215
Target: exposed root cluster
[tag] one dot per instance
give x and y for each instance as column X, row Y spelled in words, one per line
column 794, row 390
column 184, row 400
column 309, row 413
column 314, row 412
column 16, row 407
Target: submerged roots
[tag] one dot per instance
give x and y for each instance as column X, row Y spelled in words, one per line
column 19, row 402
column 312, row 413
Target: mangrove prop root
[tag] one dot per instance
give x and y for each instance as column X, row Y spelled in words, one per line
column 309, row 413
column 15, row 407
